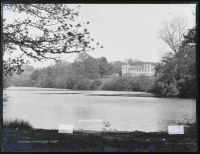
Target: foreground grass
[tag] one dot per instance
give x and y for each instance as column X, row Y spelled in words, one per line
column 85, row 141
column 17, row 124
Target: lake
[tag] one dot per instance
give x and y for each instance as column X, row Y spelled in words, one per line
column 46, row 108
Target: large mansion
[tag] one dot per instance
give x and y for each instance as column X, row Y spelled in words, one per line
column 139, row 69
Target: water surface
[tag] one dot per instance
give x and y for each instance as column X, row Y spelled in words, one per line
column 92, row 110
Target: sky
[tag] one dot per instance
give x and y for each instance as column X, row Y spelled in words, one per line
column 130, row 30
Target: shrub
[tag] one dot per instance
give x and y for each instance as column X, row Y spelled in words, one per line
column 82, row 84
column 145, row 82
column 95, row 84
column 69, row 83
column 142, row 83
column 187, row 88
column 166, row 88
column 122, row 84
column 77, row 83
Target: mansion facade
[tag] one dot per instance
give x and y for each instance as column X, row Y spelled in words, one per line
column 141, row 69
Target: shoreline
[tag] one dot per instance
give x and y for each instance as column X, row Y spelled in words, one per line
column 91, row 92
column 36, row 140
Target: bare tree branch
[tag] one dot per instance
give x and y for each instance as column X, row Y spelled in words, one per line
column 46, row 31
column 172, row 33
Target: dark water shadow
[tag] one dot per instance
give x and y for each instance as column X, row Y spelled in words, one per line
column 57, row 93
column 124, row 95
column 42, row 89
column 36, row 90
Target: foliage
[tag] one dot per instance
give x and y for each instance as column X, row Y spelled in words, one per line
column 129, row 84
column 104, row 67
column 191, row 36
column 22, row 79
column 83, row 74
column 43, row 32
column 77, row 83
column 86, row 66
column 95, row 84
column 63, row 75
column 81, row 84
column 145, row 82
column 177, row 71
column 116, row 67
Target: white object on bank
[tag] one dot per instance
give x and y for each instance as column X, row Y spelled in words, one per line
column 65, row 128
column 176, row 129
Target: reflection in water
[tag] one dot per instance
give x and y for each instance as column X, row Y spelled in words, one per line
column 91, row 112
column 83, row 112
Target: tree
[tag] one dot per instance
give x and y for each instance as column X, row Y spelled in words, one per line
column 186, row 64
column 190, row 37
column 104, row 67
column 173, row 32
column 86, row 66
column 43, row 32
column 177, row 72
column 35, row 76
column 116, row 66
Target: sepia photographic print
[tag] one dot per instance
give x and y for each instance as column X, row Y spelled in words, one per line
column 99, row 77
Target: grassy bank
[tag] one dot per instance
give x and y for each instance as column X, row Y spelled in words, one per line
column 81, row 141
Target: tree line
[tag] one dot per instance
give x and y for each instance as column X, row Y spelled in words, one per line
column 177, row 70
column 83, row 73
